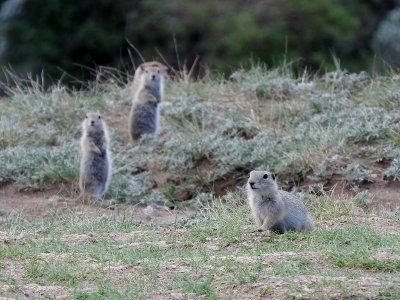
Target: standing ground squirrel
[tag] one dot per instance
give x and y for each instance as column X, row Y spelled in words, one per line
column 274, row 209
column 95, row 172
column 148, row 85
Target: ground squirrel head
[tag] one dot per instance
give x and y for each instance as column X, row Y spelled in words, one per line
column 262, row 183
column 151, row 74
column 93, row 123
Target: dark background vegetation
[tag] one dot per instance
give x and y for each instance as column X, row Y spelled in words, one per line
column 71, row 37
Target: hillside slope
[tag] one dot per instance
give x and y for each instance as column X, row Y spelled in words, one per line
column 338, row 130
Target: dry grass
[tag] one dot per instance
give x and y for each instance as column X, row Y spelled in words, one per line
column 308, row 130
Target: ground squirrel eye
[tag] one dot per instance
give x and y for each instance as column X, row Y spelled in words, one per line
column 158, row 71
column 273, row 176
column 265, row 176
column 99, row 117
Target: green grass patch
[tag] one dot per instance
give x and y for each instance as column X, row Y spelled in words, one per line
column 207, row 257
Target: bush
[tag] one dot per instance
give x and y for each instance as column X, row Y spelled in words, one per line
column 74, row 36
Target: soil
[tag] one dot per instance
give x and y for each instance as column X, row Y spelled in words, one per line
column 385, row 196
column 47, row 204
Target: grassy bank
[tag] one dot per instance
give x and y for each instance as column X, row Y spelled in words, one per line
column 339, row 128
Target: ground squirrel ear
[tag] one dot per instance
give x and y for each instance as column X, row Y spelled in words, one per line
column 141, row 67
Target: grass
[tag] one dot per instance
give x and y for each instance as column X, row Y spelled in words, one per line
column 306, row 129
column 314, row 132
column 215, row 256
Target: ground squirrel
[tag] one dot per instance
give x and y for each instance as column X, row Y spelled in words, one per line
column 95, row 172
column 274, row 209
column 148, row 85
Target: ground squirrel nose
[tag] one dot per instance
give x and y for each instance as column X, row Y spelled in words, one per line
column 92, row 122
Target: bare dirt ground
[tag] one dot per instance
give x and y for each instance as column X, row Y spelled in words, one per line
column 46, row 204
column 385, row 196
